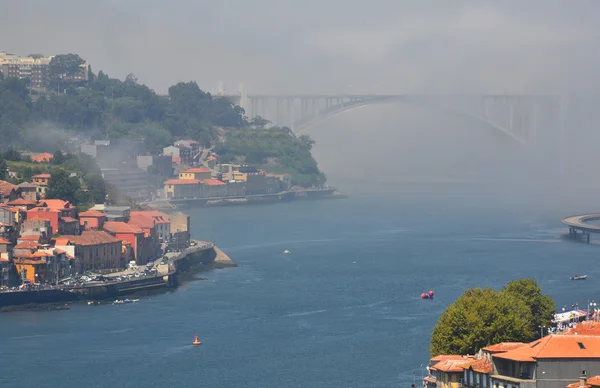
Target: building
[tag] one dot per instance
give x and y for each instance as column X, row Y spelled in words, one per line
column 129, row 179
column 133, row 234
column 42, row 158
column 256, row 183
column 584, row 382
column 150, row 247
column 31, row 267
column 161, row 222
column 92, row 220
column 198, row 173
column 28, row 191
column 180, row 229
column 547, row 362
column 236, row 189
column 41, row 183
column 117, row 213
column 38, row 227
column 182, row 188
column 45, row 213
column 445, row 371
column 34, row 69
column 24, row 204
column 94, row 250
column 478, row 371
column 211, row 162
column 9, row 191
column 213, row 188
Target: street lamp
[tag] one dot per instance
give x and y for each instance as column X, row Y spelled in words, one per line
column 415, row 376
column 594, row 311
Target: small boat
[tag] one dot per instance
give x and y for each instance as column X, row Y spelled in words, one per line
column 578, row 277
column 286, row 251
column 196, row 340
column 427, row 295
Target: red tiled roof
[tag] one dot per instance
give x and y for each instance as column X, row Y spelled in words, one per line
column 450, row 366
column 7, row 187
column 182, row 182
column 444, row 357
column 4, row 241
column 196, row 170
column 92, row 213
column 45, row 157
column 55, row 203
column 42, row 210
column 69, row 219
column 556, row 346
column 504, row 346
column 121, row 227
column 27, row 245
column 585, row 327
column 62, row 241
column 21, row 202
column 92, row 237
column 158, row 217
column 478, row 365
column 591, row 382
column 141, row 220
column 30, row 237
column 42, row 176
column 212, row 182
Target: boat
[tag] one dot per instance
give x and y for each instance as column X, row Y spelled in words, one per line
column 196, row 340
column 286, row 251
column 124, row 301
column 427, row 295
column 578, row 277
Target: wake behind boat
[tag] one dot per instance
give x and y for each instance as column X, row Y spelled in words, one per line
column 578, row 277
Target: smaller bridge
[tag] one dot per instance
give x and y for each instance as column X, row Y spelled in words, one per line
column 579, row 226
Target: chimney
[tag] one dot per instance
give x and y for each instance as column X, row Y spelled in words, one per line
column 582, row 381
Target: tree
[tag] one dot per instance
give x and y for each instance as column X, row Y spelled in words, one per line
column 3, row 168
column 479, row 318
column 57, row 158
column 64, row 65
column 62, row 186
column 542, row 307
column 259, row 122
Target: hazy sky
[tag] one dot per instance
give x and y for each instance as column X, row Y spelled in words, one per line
column 331, row 46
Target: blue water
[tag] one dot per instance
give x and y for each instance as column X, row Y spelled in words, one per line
column 342, row 310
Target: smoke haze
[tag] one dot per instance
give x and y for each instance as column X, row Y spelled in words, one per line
column 336, row 46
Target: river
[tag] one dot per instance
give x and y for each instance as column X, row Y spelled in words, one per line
column 343, row 309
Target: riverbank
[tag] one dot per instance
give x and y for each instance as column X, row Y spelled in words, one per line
column 179, row 268
column 284, row 196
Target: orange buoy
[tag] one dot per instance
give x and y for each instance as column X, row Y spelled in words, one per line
column 196, row 340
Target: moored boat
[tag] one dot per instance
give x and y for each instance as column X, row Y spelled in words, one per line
column 578, row 277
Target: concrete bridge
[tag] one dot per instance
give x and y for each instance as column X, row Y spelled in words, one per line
column 580, row 226
column 518, row 116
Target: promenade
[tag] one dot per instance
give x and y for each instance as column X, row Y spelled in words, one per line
column 580, row 226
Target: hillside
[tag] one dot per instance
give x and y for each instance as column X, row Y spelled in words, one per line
column 107, row 108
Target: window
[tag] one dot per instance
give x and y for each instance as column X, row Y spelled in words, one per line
column 581, row 345
column 583, row 373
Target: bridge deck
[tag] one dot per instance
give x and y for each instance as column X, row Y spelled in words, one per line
column 580, row 222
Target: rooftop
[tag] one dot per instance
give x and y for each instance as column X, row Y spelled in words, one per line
column 7, row 187
column 69, row 219
column 90, row 237
column 42, row 176
column 92, row 213
column 212, row 182
column 503, row 347
column 195, row 170
column 21, row 202
column 27, row 185
column 45, row 157
column 121, row 227
column 478, row 365
column 591, row 382
column 182, row 182
column 450, row 365
column 556, row 347
column 156, row 215
column 55, row 203
column 4, row 241
column 27, row 245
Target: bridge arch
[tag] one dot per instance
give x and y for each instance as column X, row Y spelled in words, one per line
column 304, row 125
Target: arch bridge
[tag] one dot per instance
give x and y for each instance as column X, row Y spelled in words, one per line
column 517, row 116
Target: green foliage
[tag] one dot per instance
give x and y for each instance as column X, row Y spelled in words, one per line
column 3, row 168
column 64, row 65
column 542, row 307
column 274, row 150
column 484, row 317
column 62, row 186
